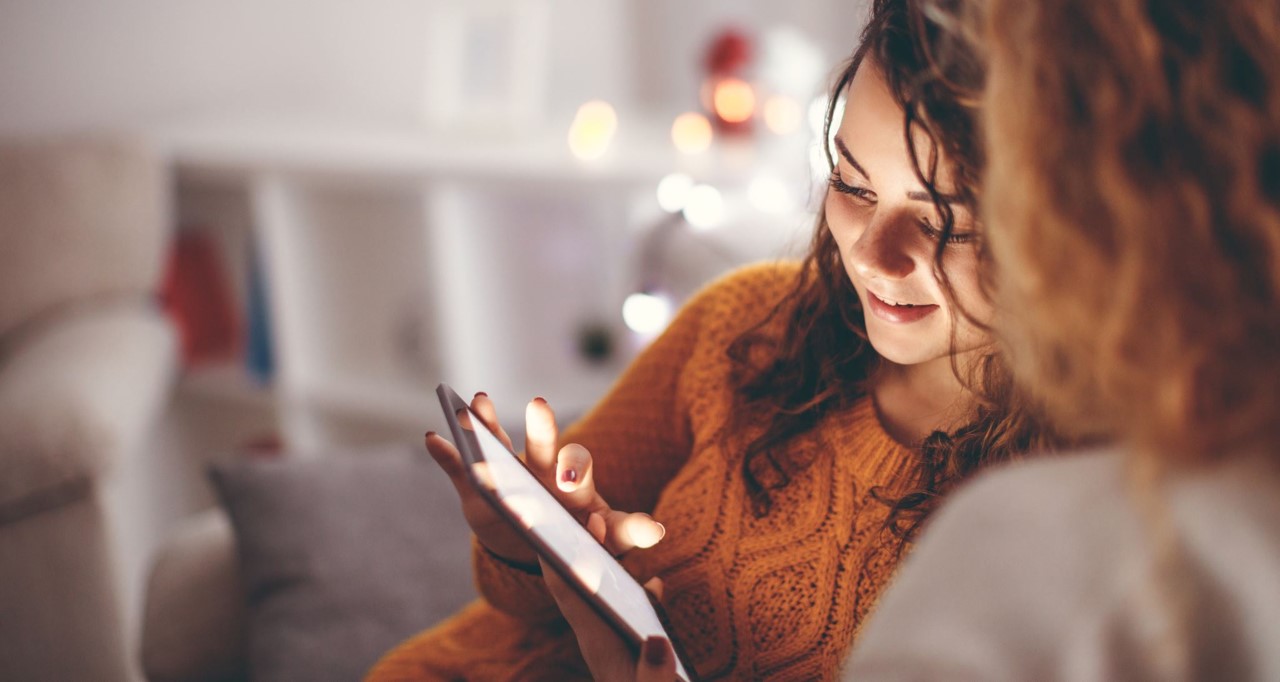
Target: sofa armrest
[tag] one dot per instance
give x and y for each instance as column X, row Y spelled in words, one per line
column 194, row 628
column 77, row 394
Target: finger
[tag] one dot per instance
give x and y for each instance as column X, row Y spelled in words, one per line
column 575, row 480
column 626, row 532
column 655, row 587
column 605, row 653
column 596, row 526
column 657, row 661
column 540, row 434
column 445, row 455
column 560, row 591
column 483, row 407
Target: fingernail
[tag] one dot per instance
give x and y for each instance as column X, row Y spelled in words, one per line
column 569, row 475
column 662, row 530
column 642, row 534
column 655, row 651
column 481, row 394
column 429, row 434
column 540, row 400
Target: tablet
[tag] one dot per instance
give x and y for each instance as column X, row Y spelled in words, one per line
column 502, row 479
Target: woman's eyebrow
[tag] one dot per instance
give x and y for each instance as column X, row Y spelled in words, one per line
column 914, row 196
column 844, row 151
column 924, row 196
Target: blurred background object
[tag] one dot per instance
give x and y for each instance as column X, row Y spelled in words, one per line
column 369, row 198
column 86, row 359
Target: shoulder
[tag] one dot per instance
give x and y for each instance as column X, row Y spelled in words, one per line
column 759, row 286
column 734, row 302
column 1045, row 521
column 1036, row 569
column 1010, row 559
column 1044, row 490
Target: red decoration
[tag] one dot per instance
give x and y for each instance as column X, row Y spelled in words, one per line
column 198, row 300
column 727, row 93
column 730, row 54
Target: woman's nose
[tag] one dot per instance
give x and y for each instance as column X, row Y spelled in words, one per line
column 883, row 250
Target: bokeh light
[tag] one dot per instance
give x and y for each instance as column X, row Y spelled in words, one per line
column 646, row 313
column 691, row 133
column 818, row 115
column 673, row 192
column 782, row 114
column 818, row 163
column 769, row 194
column 734, row 100
column 704, row 207
column 592, row 130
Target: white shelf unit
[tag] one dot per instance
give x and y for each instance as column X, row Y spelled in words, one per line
column 395, row 259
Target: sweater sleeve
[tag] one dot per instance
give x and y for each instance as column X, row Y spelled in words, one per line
column 638, row 436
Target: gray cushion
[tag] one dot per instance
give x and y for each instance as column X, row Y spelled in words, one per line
column 343, row 557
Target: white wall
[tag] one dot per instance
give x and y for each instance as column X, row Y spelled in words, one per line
column 71, row 64
column 102, row 63
column 671, row 36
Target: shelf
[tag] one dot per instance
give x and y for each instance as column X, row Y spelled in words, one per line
column 356, row 151
column 395, row 257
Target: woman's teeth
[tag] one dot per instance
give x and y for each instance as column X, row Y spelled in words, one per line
column 898, row 305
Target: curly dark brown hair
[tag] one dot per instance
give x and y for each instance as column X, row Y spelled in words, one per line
column 824, row 362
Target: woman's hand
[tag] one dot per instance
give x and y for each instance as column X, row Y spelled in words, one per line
column 567, row 473
column 605, row 653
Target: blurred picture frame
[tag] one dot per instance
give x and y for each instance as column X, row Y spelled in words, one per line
column 486, row 65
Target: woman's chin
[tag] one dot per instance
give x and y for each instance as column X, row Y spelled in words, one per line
column 904, row 352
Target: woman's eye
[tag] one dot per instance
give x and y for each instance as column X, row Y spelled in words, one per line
column 935, row 234
column 839, row 185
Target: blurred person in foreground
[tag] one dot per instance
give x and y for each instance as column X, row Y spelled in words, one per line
column 1133, row 207
column 791, row 428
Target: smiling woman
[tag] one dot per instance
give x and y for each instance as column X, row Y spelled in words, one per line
column 790, row 429
column 882, row 220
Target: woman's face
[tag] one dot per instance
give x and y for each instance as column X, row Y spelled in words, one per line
column 886, row 229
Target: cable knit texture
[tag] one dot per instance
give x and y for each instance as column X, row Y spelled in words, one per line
column 779, row 597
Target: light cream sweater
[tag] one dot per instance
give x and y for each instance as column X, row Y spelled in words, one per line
column 1046, row 571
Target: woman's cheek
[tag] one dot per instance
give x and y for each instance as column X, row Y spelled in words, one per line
column 842, row 222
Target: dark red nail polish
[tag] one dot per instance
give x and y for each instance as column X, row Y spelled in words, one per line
column 655, row 651
column 480, row 394
column 429, row 434
column 570, row 475
column 540, row 399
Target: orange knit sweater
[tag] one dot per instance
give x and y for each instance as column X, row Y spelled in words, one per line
column 779, row 597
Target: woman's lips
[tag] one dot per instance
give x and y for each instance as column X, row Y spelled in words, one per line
column 898, row 314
